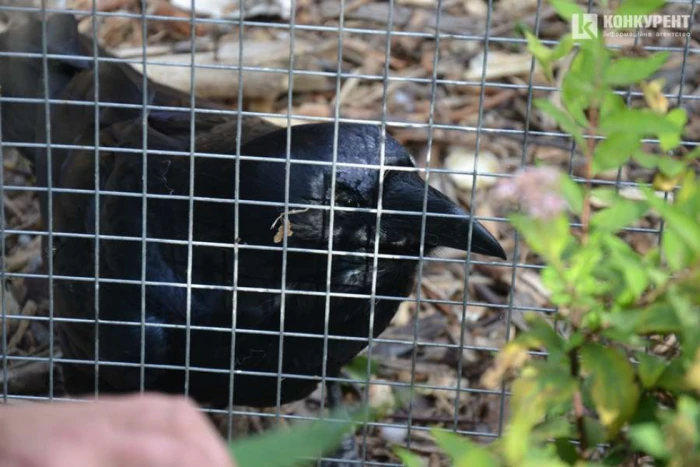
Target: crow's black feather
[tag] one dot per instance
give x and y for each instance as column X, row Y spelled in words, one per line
column 122, row 306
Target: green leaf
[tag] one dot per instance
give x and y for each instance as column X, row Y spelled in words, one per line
column 612, row 103
column 646, row 160
column 617, row 331
column 614, row 391
column 563, row 119
column 646, row 411
column 671, row 167
column 650, row 369
column 635, row 275
column 462, row 451
column 687, row 313
column 566, row 450
column 582, row 263
column 562, row 49
column 566, row 8
column 605, row 196
column 554, row 281
column 555, row 426
column 639, row 7
column 576, row 340
column 284, row 447
column 638, row 121
column 648, row 437
column 678, row 117
column 357, row 369
column 616, row 455
column 546, row 56
column 694, row 154
column 673, row 378
column 408, row 458
column 629, row 70
column 657, row 276
column 541, row 457
column 598, row 57
column 625, row 260
column 516, row 441
column 658, row 318
column 687, row 228
column 689, row 194
column 573, row 192
column 620, row 215
column 542, row 53
column 537, row 48
column 575, row 94
column 580, row 84
column 670, row 141
column 545, row 334
column 615, row 151
column 595, row 431
column 677, row 254
column 577, row 86
column 540, row 387
column 546, row 238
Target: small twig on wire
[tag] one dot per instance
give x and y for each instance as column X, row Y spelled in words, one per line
column 285, row 229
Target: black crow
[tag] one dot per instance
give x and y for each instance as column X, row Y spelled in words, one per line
column 273, row 290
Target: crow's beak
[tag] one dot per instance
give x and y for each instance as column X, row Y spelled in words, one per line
column 447, row 224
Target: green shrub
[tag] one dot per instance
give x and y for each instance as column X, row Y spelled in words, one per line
column 620, row 384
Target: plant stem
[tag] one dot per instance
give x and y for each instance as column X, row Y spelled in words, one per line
column 579, row 409
column 588, row 152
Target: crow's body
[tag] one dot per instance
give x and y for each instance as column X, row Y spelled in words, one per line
column 260, row 271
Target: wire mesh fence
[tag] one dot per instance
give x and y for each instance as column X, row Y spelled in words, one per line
column 451, row 81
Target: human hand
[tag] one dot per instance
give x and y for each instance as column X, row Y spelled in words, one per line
column 137, row 431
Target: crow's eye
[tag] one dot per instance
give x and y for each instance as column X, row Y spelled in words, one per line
column 346, row 200
column 346, row 196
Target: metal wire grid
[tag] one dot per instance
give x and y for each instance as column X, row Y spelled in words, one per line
column 528, row 136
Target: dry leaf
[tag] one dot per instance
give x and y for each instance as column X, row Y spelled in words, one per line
column 462, row 159
column 213, row 8
column 381, row 396
column 654, row 95
column 499, row 65
column 279, row 236
column 512, row 357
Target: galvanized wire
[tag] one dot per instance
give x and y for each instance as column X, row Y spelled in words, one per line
column 144, row 191
column 96, row 249
column 3, row 236
column 49, row 185
column 527, row 136
column 236, row 218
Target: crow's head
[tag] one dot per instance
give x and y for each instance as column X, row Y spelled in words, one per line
column 357, row 192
